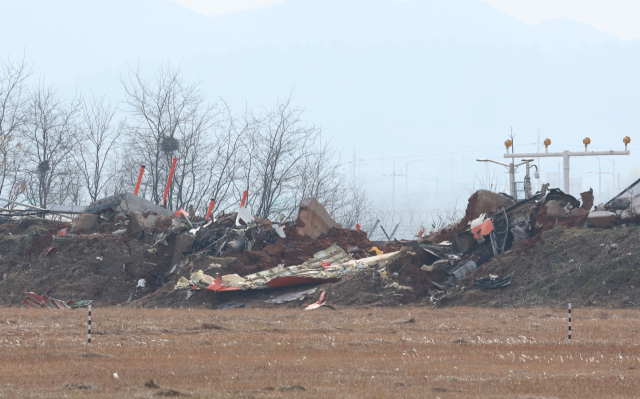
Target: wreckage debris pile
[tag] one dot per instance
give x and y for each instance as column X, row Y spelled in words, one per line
column 105, row 256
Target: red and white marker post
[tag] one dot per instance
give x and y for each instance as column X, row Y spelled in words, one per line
column 210, row 209
column 139, row 180
column 166, row 190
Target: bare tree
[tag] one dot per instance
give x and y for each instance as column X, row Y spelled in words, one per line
column 170, row 118
column 278, row 144
column 13, row 98
column 99, row 137
column 319, row 176
column 50, row 136
column 223, row 163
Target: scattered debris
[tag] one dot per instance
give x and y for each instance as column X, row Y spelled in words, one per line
column 493, row 282
column 316, row 305
column 299, row 295
column 34, row 301
column 162, row 251
column 230, row 305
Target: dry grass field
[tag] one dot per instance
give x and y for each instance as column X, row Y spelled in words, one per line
column 325, row 353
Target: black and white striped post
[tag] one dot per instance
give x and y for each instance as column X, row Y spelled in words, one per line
column 90, row 326
column 569, row 323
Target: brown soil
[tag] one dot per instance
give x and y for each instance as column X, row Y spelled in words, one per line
column 403, row 352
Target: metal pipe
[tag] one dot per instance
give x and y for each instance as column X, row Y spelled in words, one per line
column 394, row 232
column 373, row 228
column 512, row 181
column 567, row 180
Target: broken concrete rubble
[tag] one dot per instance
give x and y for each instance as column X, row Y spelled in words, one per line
column 313, row 219
column 587, row 200
column 484, row 202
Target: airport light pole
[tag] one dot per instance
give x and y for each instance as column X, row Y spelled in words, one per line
column 511, row 167
column 566, row 155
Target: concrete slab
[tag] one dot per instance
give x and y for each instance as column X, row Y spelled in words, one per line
column 313, row 219
column 127, row 202
column 602, row 218
column 484, row 201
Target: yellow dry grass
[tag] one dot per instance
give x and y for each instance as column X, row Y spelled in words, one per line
column 344, row 353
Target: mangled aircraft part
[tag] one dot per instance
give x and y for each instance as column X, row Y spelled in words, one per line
column 280, row 230
column 493, row 282
column 243, row 213
column 465, row 269
column 499, row 233
column 319, row 303
column 482, row 229
column 293, row 296
column 230, row 305
column 35, row 301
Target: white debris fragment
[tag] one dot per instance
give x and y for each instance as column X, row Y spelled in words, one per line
column 280, row 230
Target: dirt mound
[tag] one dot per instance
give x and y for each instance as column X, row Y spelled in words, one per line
column 364, row 287
column 102, row 267
column 583, row 266
column 106, row 268
column 406, row 270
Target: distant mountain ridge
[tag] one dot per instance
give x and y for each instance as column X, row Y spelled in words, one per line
column 158, row 28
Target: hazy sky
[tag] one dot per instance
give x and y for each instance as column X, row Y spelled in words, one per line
column 618, row 17
column 426, row 86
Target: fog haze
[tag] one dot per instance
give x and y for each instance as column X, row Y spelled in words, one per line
column 437, row 82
